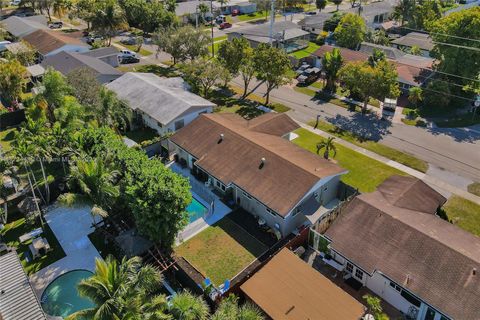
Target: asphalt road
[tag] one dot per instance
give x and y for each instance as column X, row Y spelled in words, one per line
column 453, row 154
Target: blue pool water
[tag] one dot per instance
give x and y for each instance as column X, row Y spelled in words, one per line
column 61, row 297
column 196, row 210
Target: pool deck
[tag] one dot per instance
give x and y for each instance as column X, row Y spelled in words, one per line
column 71, row 226
column 197, row 226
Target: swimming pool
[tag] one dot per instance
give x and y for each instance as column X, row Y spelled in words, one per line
column 196, row 210
column 61, row 299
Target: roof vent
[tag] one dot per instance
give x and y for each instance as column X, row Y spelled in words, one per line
column 262, row 163
column 221, row 138
column 474, row 271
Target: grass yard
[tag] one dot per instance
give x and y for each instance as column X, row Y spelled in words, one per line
column 253, row 16
column 364, row 173
column 151, row 68
column 474, row 188
column 221, row 38
column 463, row 213
column 327, row 98
column 140, row 135
column 17, row 227
column 132, row 47
column 312, row 47
column 383, row 150
column 6, row 138
column 221, row 251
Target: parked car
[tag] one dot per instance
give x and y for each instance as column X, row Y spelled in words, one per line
column 129, row 41
column 220, row 19
column 56, row 25
column 302, row 68
column 93, row 38
column 3, row 45
column 311, row 13
column 127, row 54
column 128, row 59
column 235, row 12
column 309, row 75
column 225, row 25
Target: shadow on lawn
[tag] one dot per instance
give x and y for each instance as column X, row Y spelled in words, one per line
column 366, row 126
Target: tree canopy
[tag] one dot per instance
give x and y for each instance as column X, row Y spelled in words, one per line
column 350, row 32
column 13, row 79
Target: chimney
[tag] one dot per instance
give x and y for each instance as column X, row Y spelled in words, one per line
column 474, row 271
column 221, row 138
column 262, row 163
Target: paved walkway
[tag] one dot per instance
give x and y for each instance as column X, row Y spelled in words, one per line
column 433, row 181
column 71, row 227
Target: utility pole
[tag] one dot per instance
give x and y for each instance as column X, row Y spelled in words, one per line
column 272, row 20
column 211, row 26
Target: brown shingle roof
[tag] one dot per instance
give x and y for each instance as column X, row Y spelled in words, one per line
column 347, row 54
column 46, row 41
column 288, row 288
column 289, row 171
column 430, row 257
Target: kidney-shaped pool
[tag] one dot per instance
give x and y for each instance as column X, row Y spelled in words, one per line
column 61, row 298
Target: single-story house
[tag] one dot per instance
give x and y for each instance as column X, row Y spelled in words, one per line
column 17, row 298
column 48, row 42
column 20, row 27
column 254, row 165
column 393, row 242
column 375, row 13
column 420, row 40
column 108, row 55
column 288, row 288
column 286, row 35
column 413, row 71
column 189, row 9
column 65, row 62
column 163, row 104
column 314, row 23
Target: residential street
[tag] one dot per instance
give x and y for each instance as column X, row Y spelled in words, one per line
column 453, row 154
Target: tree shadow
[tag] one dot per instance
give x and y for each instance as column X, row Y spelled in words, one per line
column 366, row 126
column 457, row 134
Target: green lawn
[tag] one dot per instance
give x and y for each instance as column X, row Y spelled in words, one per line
column 327, row 98
column 216, row 45
column 474, row 188
column 312, row 47
column 364, row 173
column 142, row 134
column 151, row 68
column 464, row 213
column 132, row 47
column 253, row 16
column 6, row 138
column 383, row 150
column 221, row 251
column 17, row 227
column 221, row 38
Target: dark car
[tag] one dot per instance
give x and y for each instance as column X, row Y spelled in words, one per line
column 309, row 75
column 56, row 25
column 225, row 25
column 129, row 59
column 311, row 13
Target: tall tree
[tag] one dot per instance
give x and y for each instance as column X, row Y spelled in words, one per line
column 337, row 3
column 350, row 32
column 229, row 309
column 187, row 306
column 320, row 4
column 404, row 11
column 231, row 54
column 415, row 95
column 109, row 17
column 85, row 86
column 273, row 66
column 13, row 79
column 329, row 146
column 53, row 89
column 112, row 111
column 203, row 74
column 331, row 63
column 377, row 56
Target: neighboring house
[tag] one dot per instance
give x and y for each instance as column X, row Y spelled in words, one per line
column 253, row 164
column 65, row 62
column 189, row 9
column 288, row 288
column 17, row 298
column 413, row 71
column 314, row 24
column 286, row 35
column 163, row 104
column 376, row 13
column 392, row 242
column 20, row 27
column 108, row 55
column 420, row 40
column 48, row 42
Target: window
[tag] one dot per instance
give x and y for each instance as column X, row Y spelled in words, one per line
column 359, row 274
column 349, row 267
column 296, row 210
column 395, row 286
column 179, row 124
column 218, row 184
column 410, row 298
column 270, row 211
column 247, row 195
column 223, row 187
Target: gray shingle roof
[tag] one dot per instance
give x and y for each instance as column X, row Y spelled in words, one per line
column 421, row 40
column 390, row 52
column 65, row 62
column 20, row 27
column 101, row 52
column 17, row 299
column 261, row 32
column 162, row 99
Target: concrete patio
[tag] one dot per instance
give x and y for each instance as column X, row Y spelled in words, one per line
column 71, row 227
column 205, row 196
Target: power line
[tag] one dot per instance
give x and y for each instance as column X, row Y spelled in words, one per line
column 442, row 34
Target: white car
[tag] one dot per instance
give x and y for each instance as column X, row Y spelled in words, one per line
column 127, row 53
column 15, row 2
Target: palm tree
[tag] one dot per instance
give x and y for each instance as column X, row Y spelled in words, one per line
column 122, row 291
column 186, row 306
column 415, row 95
column 96, row 181
column 230, row 310
column 328, row 145
column 112, row 111
column 332, row 62
column 108, row 18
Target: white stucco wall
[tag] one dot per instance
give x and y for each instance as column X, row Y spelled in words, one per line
column 187, row 118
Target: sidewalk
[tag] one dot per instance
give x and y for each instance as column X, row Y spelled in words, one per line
column 420, row 175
